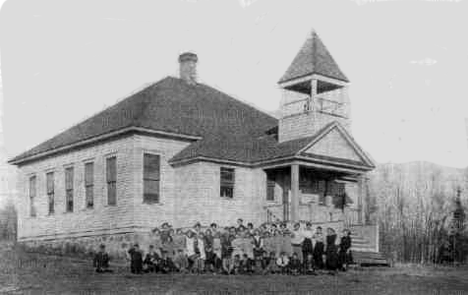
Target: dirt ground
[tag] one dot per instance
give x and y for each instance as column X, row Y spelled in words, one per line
column 26, row 273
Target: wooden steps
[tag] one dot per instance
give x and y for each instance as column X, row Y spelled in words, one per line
column 369, row 258
column 364, row 254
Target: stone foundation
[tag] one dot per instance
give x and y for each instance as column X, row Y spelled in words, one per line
column 117, row 245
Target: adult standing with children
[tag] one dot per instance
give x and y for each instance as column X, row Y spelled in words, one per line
column 307, row 245
column 297, row 238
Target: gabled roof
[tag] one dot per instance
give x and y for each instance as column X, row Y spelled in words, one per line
column 313, row 58
column 342, row 148
column 172, row 105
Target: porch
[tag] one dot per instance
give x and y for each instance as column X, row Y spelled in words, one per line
column 300, row 193
column 328, row 198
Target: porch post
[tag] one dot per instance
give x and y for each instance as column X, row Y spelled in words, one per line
column 361, row 183
column 294, row 192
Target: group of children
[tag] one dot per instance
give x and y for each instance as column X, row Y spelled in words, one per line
column 271, row 248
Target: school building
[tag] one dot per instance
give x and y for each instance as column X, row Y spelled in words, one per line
column 180, row 152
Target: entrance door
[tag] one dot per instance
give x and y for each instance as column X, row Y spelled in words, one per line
column 285, row 205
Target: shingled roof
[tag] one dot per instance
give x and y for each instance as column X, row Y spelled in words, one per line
column 313, row 58
column 219, row 126
column 225, row 125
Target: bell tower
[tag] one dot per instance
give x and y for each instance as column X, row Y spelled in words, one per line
column 314, row 93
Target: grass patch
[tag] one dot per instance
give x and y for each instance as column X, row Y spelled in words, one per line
column 22, row 272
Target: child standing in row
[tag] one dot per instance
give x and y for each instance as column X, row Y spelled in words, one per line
column 136, row 259
column 319, row 248
column 101, row 260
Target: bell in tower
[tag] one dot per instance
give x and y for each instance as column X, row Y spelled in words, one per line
column 315, row 92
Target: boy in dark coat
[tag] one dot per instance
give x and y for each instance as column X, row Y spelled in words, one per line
column 136, row 259
column 331, row 251
column 101, row 260
column 318, row 248
column 344, row 254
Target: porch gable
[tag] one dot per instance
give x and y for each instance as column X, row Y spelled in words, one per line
column 335, row 143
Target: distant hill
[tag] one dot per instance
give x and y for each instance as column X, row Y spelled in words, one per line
column 418, row 172
column 414, row 188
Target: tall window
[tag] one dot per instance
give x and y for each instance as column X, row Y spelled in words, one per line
column 227, row 182
column 151, row 177
column 89, row 184
column 322, row 188
column 270, row 187
column 50, row 191
column 111, row 178
column 32, row 196
column 69, row 188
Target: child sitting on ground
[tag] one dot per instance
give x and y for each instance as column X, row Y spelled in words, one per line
column 283, row 262
column 294, row 265
column 166, row 265
column 270, row 264
column 236, row 264
column 245, row 265
column 151, row 262
column 308, row 267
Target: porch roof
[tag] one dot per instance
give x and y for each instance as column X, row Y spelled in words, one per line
column 303, row 149
column 266, row 152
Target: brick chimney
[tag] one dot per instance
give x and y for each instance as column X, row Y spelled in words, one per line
column 188, row 67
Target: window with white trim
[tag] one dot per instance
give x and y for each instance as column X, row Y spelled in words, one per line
column 32, row 196
column 270, row 190
column 227, row 181
column 111, row 179
column 151, row 177
column 69, row 189
column 50, row 187
column 89, row 184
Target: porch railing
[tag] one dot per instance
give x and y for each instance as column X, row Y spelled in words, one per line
column 270, row 216
column 352, row 217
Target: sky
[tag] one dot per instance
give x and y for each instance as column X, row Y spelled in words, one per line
column 63, row 61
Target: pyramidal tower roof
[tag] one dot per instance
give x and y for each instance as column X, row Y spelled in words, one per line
column 313, row 58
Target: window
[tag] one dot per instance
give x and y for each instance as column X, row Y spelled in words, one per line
column 111, row 178
column 227, row 182
column 270, row 196
column 69, row 189
column 32, row 196
column 151, row 177
column 50, row 191
column 322, row 189
column 340, row 199
column 89, row 184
